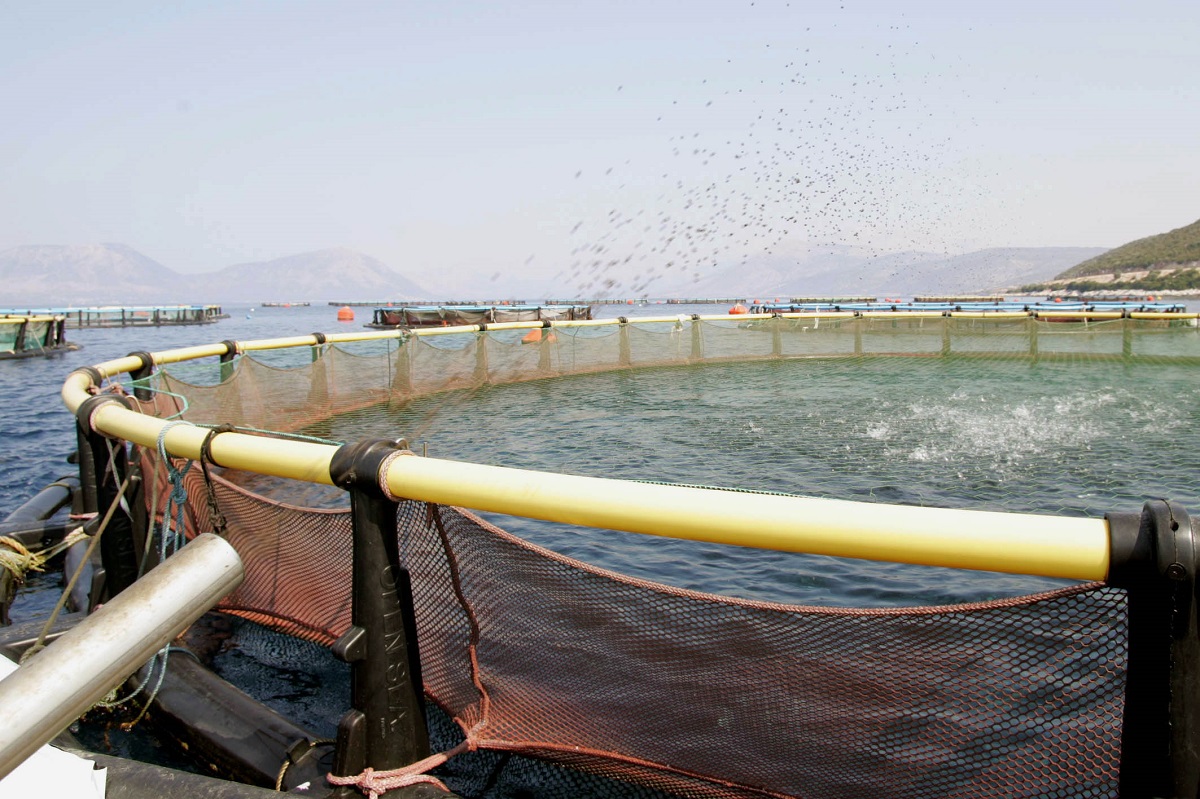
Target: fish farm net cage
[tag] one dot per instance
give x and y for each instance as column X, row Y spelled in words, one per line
column 636, row 687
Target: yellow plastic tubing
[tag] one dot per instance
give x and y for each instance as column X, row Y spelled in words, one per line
column 1050, row 546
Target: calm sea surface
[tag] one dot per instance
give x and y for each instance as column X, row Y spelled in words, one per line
column 1063, row 438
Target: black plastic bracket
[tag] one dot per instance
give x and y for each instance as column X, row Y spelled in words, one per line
column 146, row 370
column 104, row 472
column 94, row 374
column 1154, row 557
column 83, row 414
column 385, row 728
column 320, row 338
column 232, row 348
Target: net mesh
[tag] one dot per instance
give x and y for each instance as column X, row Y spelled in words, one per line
column 538, row 654
column 688, row 693
column 304, row 386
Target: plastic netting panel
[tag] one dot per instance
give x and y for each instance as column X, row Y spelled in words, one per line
column 297, row 560
column 8, row 336
column 699, row 695
column 715, row 696
column 1083, row 339
column 817, row 337
column 345, row 378
column 35, row 335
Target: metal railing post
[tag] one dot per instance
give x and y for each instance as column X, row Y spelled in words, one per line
column 385, row 728
column 1155, row 561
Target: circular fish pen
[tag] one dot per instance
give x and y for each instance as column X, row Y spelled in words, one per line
column 808, row 631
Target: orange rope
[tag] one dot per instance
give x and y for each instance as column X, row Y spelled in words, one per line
column 375, row 783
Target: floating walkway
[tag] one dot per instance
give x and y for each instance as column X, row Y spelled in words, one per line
column 29, row 336
column 131, row 316
column 453, row 315
column 1057, row 310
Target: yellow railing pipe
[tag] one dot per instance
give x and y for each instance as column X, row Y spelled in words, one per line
column 990, row 314
column 1018, row 543
column 189, row 353
column 1051, row 314
column 1051, row 546
column 1162, row 315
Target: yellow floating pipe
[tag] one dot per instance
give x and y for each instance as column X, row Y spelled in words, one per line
column 188, row 353
column 990, row 314
column 296, row 460
column 1050, row 546
column 120, row 366
column 373, row 335
column 1162, row 315
column 818, row 315
column 20, row 320
column 1050, row 314
column 1018, row 543
column 278, row 343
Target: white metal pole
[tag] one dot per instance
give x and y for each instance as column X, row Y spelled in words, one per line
column 57, row 685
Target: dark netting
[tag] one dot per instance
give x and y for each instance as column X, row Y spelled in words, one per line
column 692, row 694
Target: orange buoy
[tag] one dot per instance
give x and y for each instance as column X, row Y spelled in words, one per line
column 739, row 309
column 345, row 314
column 536, row 336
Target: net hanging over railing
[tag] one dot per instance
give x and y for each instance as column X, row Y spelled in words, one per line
column 342, row 378
column 699, row 695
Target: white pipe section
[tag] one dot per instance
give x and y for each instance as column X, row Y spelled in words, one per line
column 57, row 685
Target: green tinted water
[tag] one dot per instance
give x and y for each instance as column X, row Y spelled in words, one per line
column 1076, row 438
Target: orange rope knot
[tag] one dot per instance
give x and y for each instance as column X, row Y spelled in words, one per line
column 375, row 783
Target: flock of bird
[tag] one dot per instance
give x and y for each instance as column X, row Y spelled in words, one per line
column 831, row 144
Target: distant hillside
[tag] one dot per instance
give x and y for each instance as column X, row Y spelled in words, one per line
column 1180, row 246
column 839, row 270
column 92, row 274
column 333, row 274
column 116, row 274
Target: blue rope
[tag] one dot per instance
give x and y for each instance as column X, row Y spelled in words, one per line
column 171, row 541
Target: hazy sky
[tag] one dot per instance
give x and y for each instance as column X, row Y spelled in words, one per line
column 595, row 138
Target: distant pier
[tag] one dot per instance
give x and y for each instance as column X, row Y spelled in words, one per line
column 129, row 316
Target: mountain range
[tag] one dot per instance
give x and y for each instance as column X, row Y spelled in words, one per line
column 840, row 270
column 116, row 274
column 99, row 274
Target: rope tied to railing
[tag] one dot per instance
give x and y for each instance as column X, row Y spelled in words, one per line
column 17, row 559
column 214, row 510
column 176, row 498
column 376, row 783
column 171, row 541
